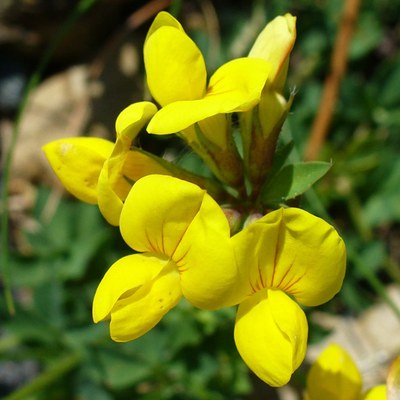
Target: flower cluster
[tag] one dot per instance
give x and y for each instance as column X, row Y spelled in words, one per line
column 221, row 241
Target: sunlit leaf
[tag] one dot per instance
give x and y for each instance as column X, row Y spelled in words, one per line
column 293, row 180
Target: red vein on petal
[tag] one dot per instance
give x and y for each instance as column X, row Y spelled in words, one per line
column 155, row 250
column 276, row 253
column 260, row 275
column 177, row 262
column 285, row 275
column 290, row 284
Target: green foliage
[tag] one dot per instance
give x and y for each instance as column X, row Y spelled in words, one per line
column 293, row 180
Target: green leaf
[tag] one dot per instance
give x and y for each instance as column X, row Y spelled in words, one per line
column 193, row 163
column 293, row 180
column 121, row 370
column 280, row 157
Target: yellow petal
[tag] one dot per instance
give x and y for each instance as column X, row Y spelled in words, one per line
column 175, row 67
column 139, row 164
column 133, row 118
column 236, row 86
column 157, row 213
column 334, row 376
column 77, row 162
column 125, row 275
column 275, row 43
column 293, row 251
column 110, row 204
column 163, row 18
column 216, row 130
column 118, row 181
column 205, row 259
column 244, row 79
column 271, row 109
column 271, row 335
column 129, row 123
column 379, row 393
column 136, row 292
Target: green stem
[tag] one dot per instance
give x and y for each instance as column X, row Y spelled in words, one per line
column 76, row 13
column 46, row 378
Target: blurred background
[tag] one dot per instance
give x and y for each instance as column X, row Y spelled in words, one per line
column 67, row 68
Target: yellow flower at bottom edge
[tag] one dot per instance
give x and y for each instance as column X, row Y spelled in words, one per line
column 184, row 242
column 287, row 256
column 335, row 376
column 377, row 393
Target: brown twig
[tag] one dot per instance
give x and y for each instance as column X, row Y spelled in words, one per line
column 146, row 12
column 332, row 83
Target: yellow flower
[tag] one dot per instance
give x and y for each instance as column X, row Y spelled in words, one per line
column 335, row 376
column 377, row 393
column 177, row 77
column 197, row 111
column 184, row 242
column 287, row 256
column 98, row 171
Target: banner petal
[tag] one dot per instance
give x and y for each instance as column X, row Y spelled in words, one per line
column 157, row 213
column 175, row 67
column 294, row 251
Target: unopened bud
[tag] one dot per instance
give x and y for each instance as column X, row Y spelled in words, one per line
column 234, row 218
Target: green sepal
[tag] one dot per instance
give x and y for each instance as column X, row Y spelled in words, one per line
column 293, row 180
